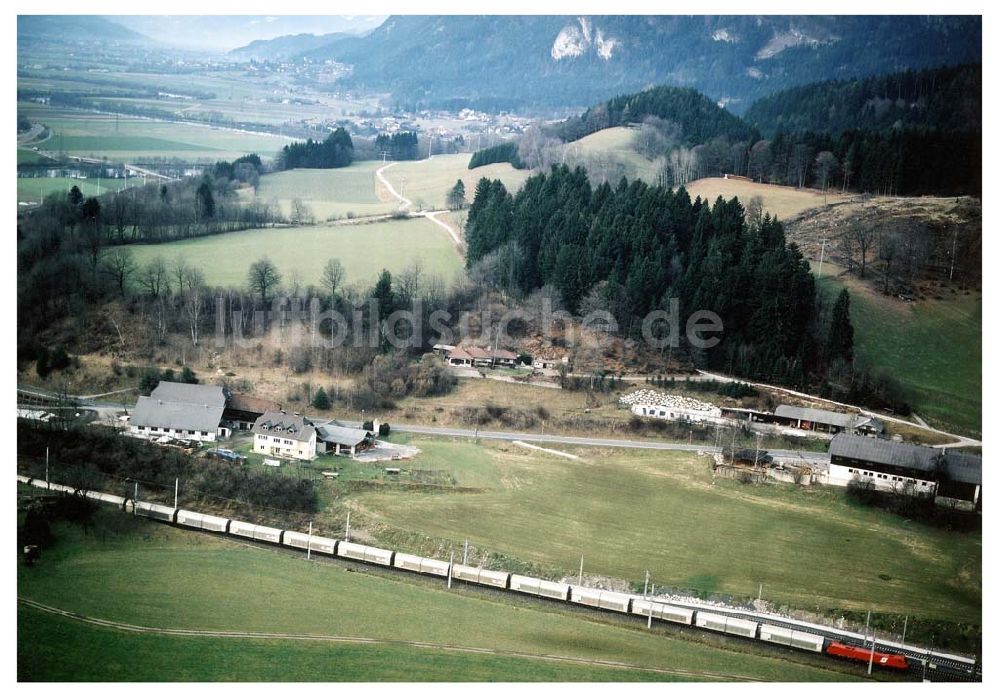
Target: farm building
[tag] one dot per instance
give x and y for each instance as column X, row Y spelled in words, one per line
column 242, row 410
column 333, row 438
column 890, row 466
column 277, row 433
column 652, row 403
column 180, row 411
column 818, row 420
column 475, row 356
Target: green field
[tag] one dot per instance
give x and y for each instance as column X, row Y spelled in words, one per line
column 933, row 346
column 609, row 152
column 628, row 512
column 32, row 190
column 86, row 134
column 329, row 193
column 428, row 181
column 140, row 573
column 363, row 249
column 29, row 157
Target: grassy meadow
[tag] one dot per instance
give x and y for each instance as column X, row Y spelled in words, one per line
column 329, row 193
column 33, row 190
column 934, row 347
column 610, row 152
column 86, row 134
column 427, row 182
column 141, row 573
column 363, row 249
column 784, row 202
column 631, row 511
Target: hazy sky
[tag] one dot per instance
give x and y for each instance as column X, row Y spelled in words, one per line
column 227, row 32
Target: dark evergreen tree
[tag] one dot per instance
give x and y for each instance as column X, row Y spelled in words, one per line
column 840, row 343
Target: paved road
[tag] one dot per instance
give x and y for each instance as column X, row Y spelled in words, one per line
column 811, row 456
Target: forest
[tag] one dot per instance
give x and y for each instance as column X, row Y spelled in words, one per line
column 632, row 248
column 335, row 151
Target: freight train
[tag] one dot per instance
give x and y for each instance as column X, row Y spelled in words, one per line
column 617, row 602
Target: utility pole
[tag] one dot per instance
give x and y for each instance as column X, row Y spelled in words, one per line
column 309, row 542
column 871, row 654
column 580, row 581
column 760, row 591
column 822, row 253
column 451, row 564
column 465, row 552
column 135, row 498
column 905, row 619
column 47, row 486
column 954, row 248
column 177, row 486
column 756, row 456
column 645, row 586
column 347, row 533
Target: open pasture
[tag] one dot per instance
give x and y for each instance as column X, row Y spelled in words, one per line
column 631, row 511
column 141, row 573
column 87, row 134
column 609, row 154
column 783, row 202
column 33, row 190
column 329, row 193
column 933, row 346
column 427, row 182
column 363, row 249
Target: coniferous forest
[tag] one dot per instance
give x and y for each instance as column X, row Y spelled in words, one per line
column 629, row 249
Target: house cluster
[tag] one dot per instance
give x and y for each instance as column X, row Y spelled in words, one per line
column 475, row 356
column 202, row 413
column 952, row 477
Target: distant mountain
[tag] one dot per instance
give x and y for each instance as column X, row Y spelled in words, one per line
column 285, row 46
column 222, row 33
column 945, row 99
column 545, row 61
column 74, row 28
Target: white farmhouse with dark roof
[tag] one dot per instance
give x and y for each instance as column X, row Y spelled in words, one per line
column 180, row 411
column 276, row 433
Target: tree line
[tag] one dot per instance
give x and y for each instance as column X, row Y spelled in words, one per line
column 504, row 152
column 336, row 151
column 633, row 249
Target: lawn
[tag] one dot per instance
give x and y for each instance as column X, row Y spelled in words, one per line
column 632, row 511
column 89, row 134
column 933, row 346
column 329, row 193
column 141, row 573
column 363, row 249
column 428, row 181
column 34, row 190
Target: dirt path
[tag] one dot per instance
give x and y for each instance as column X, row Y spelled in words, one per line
column 405, row 203
column 184, row 632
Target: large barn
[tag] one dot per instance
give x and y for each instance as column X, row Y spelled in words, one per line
column 898, row 466
column 829, row 421
column 180, row 411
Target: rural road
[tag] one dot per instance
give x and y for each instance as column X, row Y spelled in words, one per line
column 810, row 456
column 406, row 203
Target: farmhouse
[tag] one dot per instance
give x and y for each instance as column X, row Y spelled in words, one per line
column 897, row 466
column 475, row 356
column 829, row 421
column 180, row 411
column 276, row 433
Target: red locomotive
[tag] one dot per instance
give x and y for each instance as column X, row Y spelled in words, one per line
column 894, row 661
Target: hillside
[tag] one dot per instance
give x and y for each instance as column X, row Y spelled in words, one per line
column 284, row 46
column 696, row 117
column 74, row 28
column 523, row 62
column 945, row 99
